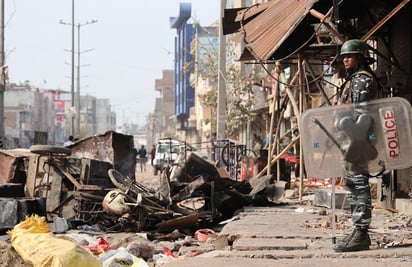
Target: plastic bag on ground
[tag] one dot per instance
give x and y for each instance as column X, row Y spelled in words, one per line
column 122, row 258
column 34, row 243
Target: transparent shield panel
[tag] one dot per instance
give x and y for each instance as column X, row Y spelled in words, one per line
column 370, row 137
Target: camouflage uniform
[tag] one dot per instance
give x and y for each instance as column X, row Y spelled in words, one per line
column 357, row 89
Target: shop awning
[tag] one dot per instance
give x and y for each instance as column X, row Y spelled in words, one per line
column 264, row 27
column 279, row 28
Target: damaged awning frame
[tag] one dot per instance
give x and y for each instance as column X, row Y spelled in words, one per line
column 263, row 28
column 266, row 31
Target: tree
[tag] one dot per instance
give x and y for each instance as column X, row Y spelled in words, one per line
column 240, row 98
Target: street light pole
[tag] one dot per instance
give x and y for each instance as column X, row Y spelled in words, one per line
column 2, row 75
column 78, row 81
column 75, row 104
column 221, row 97
column 78, row 70
column 72, row 84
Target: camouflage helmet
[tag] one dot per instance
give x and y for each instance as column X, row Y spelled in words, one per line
column 355, row 46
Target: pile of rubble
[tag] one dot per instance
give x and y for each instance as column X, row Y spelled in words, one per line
column 90, row 187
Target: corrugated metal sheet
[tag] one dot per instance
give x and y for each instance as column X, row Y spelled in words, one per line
column 229, row 24
column 233, row 16
column 266, row 32
column 249, row 12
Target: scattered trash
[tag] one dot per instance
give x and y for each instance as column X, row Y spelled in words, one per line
column 202, row 235
column 99, row 248
column 300, row 210
column 60, row 225
column 234, row 218
column 121, row 258
column 168, row 252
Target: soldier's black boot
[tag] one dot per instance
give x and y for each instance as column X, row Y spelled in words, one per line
column 349, row 237
column 357, row 241
column 345, row 239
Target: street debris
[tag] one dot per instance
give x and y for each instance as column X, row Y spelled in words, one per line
column 88, row 194
column 90, row 187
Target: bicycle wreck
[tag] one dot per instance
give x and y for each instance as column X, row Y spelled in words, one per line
column 196, row 196
column 91, row 184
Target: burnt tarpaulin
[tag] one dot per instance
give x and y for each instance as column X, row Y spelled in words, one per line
column 112, row 147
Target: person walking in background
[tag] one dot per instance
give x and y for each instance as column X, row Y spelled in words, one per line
column 142, row 158
column 152, row 153
column 296, row 151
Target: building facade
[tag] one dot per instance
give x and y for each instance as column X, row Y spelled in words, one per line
column 163, row 120
column 45, row 116
column 183, row 66
column 29, row 116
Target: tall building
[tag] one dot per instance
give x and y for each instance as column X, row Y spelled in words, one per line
column 88, row 113
column 204, row 79
column 29, row 116
column 163, row 124
column 105, row 117
column 184, row 92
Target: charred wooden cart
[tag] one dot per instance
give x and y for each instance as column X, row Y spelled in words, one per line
column 72, row 188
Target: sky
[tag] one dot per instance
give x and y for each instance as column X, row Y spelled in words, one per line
column 121, row 54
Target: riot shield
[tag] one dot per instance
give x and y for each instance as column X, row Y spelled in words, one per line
column 370, row 137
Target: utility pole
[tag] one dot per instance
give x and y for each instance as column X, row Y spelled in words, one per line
column 72, row 84
column 3, row 74
column 75, row 103
column 221, row 96
column 78, row 71
column 72, row 106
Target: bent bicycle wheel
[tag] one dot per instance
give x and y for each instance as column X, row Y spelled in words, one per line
column 227, row 154
column 231, row 154
column 121, row 182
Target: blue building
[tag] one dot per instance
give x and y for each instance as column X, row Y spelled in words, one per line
column 184, row 92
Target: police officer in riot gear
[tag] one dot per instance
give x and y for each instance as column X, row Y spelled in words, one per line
column 359, row 87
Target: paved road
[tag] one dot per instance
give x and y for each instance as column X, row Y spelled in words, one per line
column 286, row 236
column 147, row 176
column 293, row 234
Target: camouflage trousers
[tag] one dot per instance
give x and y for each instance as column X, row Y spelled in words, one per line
column 359, row 199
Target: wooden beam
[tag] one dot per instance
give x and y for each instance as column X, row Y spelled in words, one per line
column 272, row 117
column 384, row 20
column 326, row 21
